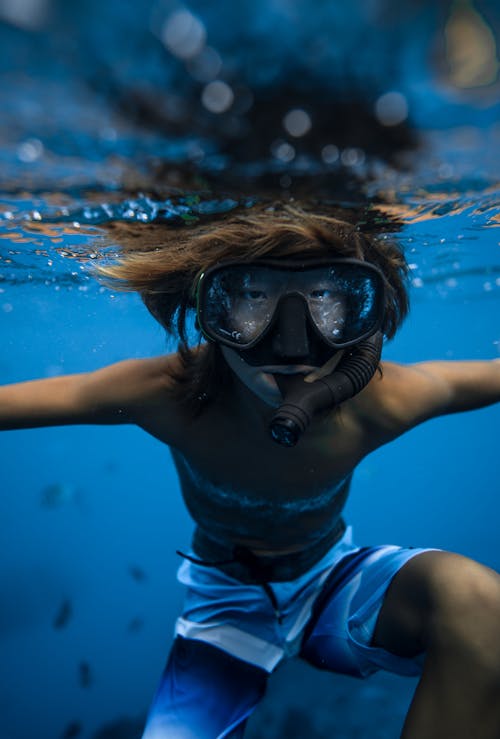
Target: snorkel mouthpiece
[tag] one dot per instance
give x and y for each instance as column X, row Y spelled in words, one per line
column 302, row 400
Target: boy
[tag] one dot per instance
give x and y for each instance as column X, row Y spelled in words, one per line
column 266, row 422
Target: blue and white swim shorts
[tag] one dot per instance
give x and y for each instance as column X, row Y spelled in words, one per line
column 231, row 636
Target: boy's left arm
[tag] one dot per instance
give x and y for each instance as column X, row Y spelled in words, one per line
column 406, row 395
column 467, row 385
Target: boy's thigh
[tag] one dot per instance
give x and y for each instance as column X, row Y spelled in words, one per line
column 204, row 693
column 437, row 588
column 340, row 634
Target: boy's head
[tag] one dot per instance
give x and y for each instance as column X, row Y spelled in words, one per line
column 166, row 272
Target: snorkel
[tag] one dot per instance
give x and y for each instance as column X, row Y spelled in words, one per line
column 302, row 400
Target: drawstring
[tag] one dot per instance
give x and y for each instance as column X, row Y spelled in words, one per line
column 254, row 566
column 248, row 559
column 203, row 563
column 274, row 601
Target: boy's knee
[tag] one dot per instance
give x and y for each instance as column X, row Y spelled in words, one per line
column 464, row 611
column 443, row 602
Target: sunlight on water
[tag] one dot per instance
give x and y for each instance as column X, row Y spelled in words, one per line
column 449, row 225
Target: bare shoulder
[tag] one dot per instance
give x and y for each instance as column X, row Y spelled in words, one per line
column 132, row 387
column 402, row 396
column 399, row 397
column 140, row 373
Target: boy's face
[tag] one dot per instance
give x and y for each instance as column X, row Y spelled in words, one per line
column 284, row 317
column 291, row 347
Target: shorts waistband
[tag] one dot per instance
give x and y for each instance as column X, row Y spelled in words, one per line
column 244, row 565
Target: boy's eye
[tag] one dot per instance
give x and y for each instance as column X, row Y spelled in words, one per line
column 322, row 293
column 253, row 295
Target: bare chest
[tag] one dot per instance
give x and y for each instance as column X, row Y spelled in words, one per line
column 239, row 485
column 228, row 455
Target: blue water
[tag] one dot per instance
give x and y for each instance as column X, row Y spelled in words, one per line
column 90, row 517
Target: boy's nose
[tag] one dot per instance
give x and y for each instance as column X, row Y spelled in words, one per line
column 290, row 336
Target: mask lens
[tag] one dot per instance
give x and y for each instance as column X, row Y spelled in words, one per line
column 344, row 302
column 238, row 303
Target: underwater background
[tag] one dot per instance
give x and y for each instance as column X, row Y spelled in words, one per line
column 118, row 119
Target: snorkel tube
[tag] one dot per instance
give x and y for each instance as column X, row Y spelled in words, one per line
column 302, row 400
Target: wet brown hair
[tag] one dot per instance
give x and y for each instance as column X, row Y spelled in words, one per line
column 164, row 263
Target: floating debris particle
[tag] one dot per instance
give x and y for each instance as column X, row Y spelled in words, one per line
column 63, row 615
column 74, row 728
column 59, row 494
column 137, row 573
column 136, row 624
column 85, row 676
column 110, row 467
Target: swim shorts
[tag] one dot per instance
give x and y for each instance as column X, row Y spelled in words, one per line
column 231, row 635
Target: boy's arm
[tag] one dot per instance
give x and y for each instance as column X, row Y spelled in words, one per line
column 406, row 395
column 114, row 394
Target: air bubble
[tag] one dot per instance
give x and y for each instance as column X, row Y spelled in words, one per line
column 217, row 96
column 352, row 157
column 330, row 153
column 183, row 34
column 445, row 171
column 391, row 108
column 30, row 150
column 283, row 151
column 108, row 134
column 206, row 65
column 297, row 122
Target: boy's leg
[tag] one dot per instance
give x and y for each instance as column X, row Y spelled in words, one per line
column 417, row 612
column 449, row 606
column 339, row 635
column 204, row 693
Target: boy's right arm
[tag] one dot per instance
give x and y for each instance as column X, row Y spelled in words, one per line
column 115, row 394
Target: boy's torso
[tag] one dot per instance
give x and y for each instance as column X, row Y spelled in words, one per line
column 244, row 489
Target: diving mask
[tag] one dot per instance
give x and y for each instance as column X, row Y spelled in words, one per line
column 339, row 301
